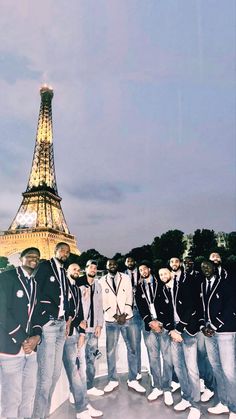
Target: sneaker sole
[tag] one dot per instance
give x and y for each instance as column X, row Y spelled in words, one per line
column 110, row 391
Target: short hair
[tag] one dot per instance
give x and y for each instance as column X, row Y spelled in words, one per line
column 29, row 250
column 91, row 262
column 61, row 244
column 146, row 263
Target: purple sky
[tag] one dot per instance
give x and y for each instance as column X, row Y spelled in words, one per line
column 143, row 110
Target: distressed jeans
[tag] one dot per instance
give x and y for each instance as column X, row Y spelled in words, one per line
column 221, row 351
column 91, row 345
column 127, row 331
column 18, row 384
column 49, row 357
column 138, row 335
column 76, row 376
column 205, row 368
column 184, row 356
column 159, row 344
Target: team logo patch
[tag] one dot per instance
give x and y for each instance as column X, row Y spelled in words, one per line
column 19, row 293
column 52, row 278
column 106, row 290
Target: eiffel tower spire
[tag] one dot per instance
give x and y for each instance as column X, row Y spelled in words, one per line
column 40, row 220
column 42, row 175
column 41, row 206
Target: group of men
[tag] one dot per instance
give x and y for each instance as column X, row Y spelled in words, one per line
column 50, row 316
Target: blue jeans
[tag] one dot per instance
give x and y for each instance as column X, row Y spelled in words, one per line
column 91, row 345
column 138, row 335
column 76, row 377
column 18, row 384
column 184, row 356
column 205, row 368
column 49, row 365
column 221, row 351
column 157, row 344
column 113, row 331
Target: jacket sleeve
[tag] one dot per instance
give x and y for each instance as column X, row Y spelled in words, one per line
column 143, row 307
column 8, row 320
column 191, row 303
column 227, row 313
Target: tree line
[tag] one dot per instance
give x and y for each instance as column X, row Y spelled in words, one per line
column 169, row 244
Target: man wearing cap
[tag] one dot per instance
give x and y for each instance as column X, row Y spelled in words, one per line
column 54, row 297
column 74, row 350
column 117, row 305
column 20, row 331
column 93, row 314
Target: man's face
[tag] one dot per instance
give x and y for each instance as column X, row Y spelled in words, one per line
column 62, row 253
column 215, row 258
column 175, row 264
column 207, row 269
column 112, row 266
column 30, row 261
column 144, row 271
column 188, row 264
column 165, row 275
column 130, row 263
column 74, row 271
column 91, row 270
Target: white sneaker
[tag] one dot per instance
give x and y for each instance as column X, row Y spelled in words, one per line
column 218, row 409
column 154, row 394
column 168, row 399
column 111, row 386
column 94, row 413
column 134, row 384
column 175, row 386
column 232, row 415
column 138, row 376
column 83, row 415
column 202, row 385
column 71, row 399
column 182, row 405
column 207, row 395
column 95, row 392
column 194, row 413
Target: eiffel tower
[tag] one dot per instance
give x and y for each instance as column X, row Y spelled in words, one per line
column 40, row 221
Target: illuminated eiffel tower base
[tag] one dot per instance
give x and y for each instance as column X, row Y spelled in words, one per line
column 40, row 221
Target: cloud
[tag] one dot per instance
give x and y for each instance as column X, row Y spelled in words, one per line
column 112, row 193
column 15, row 67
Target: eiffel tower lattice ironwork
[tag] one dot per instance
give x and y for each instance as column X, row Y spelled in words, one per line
column 40, row 217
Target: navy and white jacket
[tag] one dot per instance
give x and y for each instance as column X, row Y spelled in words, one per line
column 143, row 302
column 187, row 303
column 49, row 284
column 220, row 310
column 20, row 314
column 75, row 301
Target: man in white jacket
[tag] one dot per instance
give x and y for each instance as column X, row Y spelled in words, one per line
column 118, row 314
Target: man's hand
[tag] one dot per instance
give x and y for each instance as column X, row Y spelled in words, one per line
column 68, row 323
column 97, row 332
column 121, row 319
column 81, row 341
column 155, row 326
column 208, row 331
column 30, row 344
column 83, row 324
column 175, row 336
